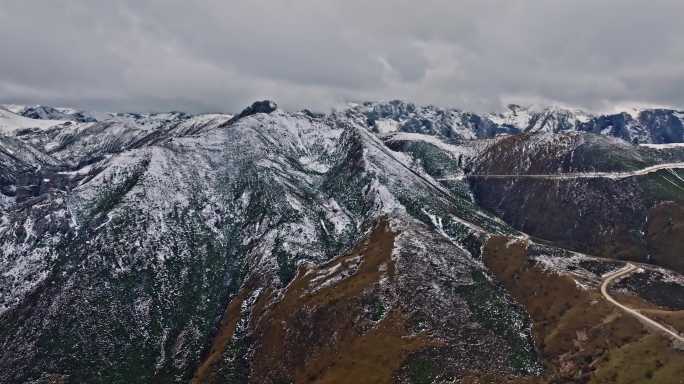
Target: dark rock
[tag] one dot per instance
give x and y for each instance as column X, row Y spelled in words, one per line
column 313, row 115
column 43, row 112
column 264, row 106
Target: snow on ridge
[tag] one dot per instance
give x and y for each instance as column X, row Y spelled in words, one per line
column 514, row 115
column 14, row 108
column 663, row 146
column 11, row 122
column 680, row 116
column 385, row 126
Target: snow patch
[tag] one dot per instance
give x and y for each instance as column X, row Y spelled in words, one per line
column 385, row 126
column 663, row 146
column 11, row 122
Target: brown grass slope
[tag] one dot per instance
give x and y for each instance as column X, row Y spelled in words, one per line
column 583, row 338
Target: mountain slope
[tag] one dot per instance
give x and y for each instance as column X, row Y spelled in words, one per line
column 604, row 216
column 165, row 233
column 11, row 123
column 276, row 247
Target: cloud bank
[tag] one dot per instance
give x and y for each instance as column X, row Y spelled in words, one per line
column 205, row 56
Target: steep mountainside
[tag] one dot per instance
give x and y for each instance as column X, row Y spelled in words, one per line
column 294, row 247
column 606, row 214
column 152, row 238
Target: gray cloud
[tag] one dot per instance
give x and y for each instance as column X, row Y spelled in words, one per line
column 221, row 55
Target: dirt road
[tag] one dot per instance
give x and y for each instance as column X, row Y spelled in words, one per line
column 607, row 281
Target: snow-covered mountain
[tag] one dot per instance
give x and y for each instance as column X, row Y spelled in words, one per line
column 541, row 119
column 656, row 126
column 12, row 123
column 636, row 125
column 276, row 246
column 51, row 113
column 450, row 124
column 152, row 223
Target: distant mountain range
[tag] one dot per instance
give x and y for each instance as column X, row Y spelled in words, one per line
column 655, row 126
column 636, row 125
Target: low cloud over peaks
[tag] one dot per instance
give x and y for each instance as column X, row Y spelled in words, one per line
column 220, row 56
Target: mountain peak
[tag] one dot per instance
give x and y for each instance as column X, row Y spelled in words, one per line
column 263, row 106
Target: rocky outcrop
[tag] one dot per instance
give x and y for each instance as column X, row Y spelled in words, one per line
column 264, row 106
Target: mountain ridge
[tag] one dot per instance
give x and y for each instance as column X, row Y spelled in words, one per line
column 654, row 125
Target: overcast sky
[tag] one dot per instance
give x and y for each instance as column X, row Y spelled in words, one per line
column 476, row 55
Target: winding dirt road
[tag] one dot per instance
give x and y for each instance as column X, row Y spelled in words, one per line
column 584, row 175
column 608, row 280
